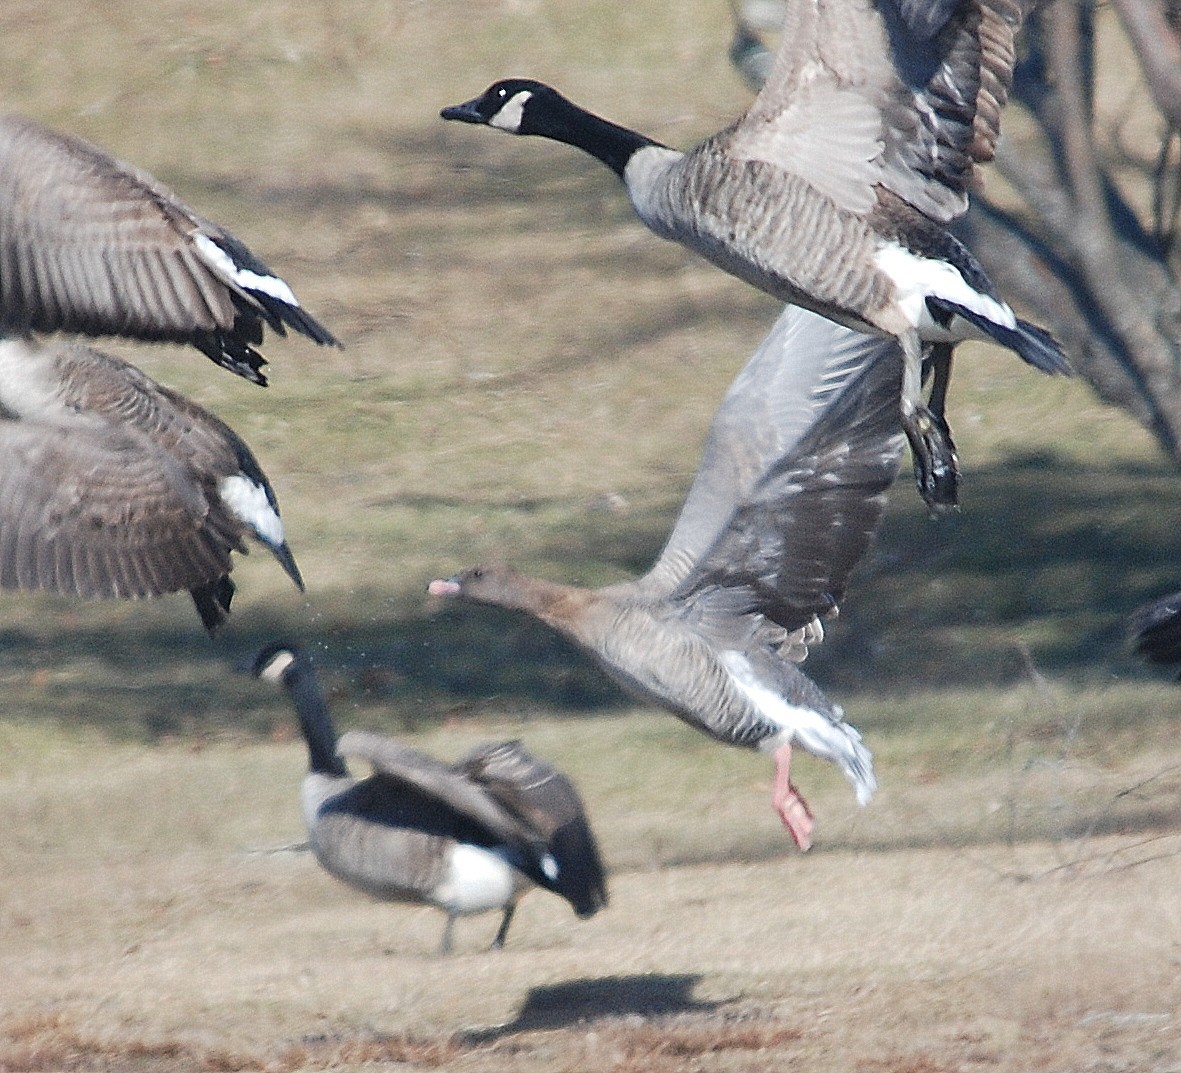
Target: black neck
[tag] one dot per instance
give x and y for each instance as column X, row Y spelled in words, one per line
column 315, row 722
column 562, row 121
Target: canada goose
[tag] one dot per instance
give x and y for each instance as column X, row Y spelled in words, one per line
column 785, row 503
column 90, row 244
column 114, row 486
column 834, row 190
column 1156, row 629
column 467, row 837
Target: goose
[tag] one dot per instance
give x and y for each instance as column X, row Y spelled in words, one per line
column 1156, row 629
column 95, row 246
column 112, row 485
column 785, row 503
column 468, row 837
column 835, row 189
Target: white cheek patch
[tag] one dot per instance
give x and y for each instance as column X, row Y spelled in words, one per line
column 510, row 114
column 248, row 502
column 221, row 261
column 273, row 671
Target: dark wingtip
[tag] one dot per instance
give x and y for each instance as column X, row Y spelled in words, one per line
column 213, row 603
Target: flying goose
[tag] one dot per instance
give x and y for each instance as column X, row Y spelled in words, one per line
column 114, row 486
column 467, row 837
column 92, row 245
column 789, row 493
column 835, row 189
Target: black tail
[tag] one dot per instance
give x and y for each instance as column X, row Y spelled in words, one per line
column 1033, row 344
column 1156, row 629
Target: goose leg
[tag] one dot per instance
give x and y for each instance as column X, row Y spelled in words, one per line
column 936, row 468
column 448, row 930
column 505, row 921
column 792, row 808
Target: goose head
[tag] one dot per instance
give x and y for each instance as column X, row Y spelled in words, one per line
column 275, row 662
column 515, row 105
column 485, row 584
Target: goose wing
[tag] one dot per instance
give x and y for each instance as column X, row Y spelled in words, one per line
column 93, row 245
column 91, row 510
column 214, row 456
column 545, row 799
column 794, row 376
column 792, row 542
column 393, row 760
column 902, row 94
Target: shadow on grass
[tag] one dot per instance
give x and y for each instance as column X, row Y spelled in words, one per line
column 1039, row 571
column 581, row 1001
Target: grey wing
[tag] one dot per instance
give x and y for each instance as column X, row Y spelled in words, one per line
column 94, row 511
column 794, row 376
column 91, row 244
column 954, row 62
column 905, row 94
column 792, row 543
column 444, row 782
column 548, row 801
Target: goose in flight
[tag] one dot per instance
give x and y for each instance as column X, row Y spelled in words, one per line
column 112, row 485
column 467, row 837
column 835, row 189
column 91, row 245
column 785, row 503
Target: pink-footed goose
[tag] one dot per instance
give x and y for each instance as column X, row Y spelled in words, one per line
column 786, row 501
column 92, row 245
column 835, row 189
column 467, row 837
column 112, row 485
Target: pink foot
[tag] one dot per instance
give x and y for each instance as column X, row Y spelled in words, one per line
column 792, row 808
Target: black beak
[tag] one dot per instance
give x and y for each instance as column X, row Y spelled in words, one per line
column 468, row 112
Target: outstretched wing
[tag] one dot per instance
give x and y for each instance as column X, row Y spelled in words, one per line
column 902, row 94
column 91, row 244
column 796, row 374
column 792, row 543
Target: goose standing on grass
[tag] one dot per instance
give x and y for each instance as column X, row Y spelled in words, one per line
column 786, row 501
column 834, row 190
column 92, row 245
column 467, row 837
column 114, row 486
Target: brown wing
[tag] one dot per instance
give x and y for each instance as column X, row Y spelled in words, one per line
column 394, row 760
column 905, row 94
column 93, row 245
column 549, row 803
column 92, row 511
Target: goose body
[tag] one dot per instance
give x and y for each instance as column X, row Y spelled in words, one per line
column 789, row 493
column 92, row 245
column 835, row 189
column 112, row 485
column 468, row 837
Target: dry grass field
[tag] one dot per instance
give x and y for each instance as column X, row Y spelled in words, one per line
column 528, row 374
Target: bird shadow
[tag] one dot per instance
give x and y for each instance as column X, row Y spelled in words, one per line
column 572, row 1002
